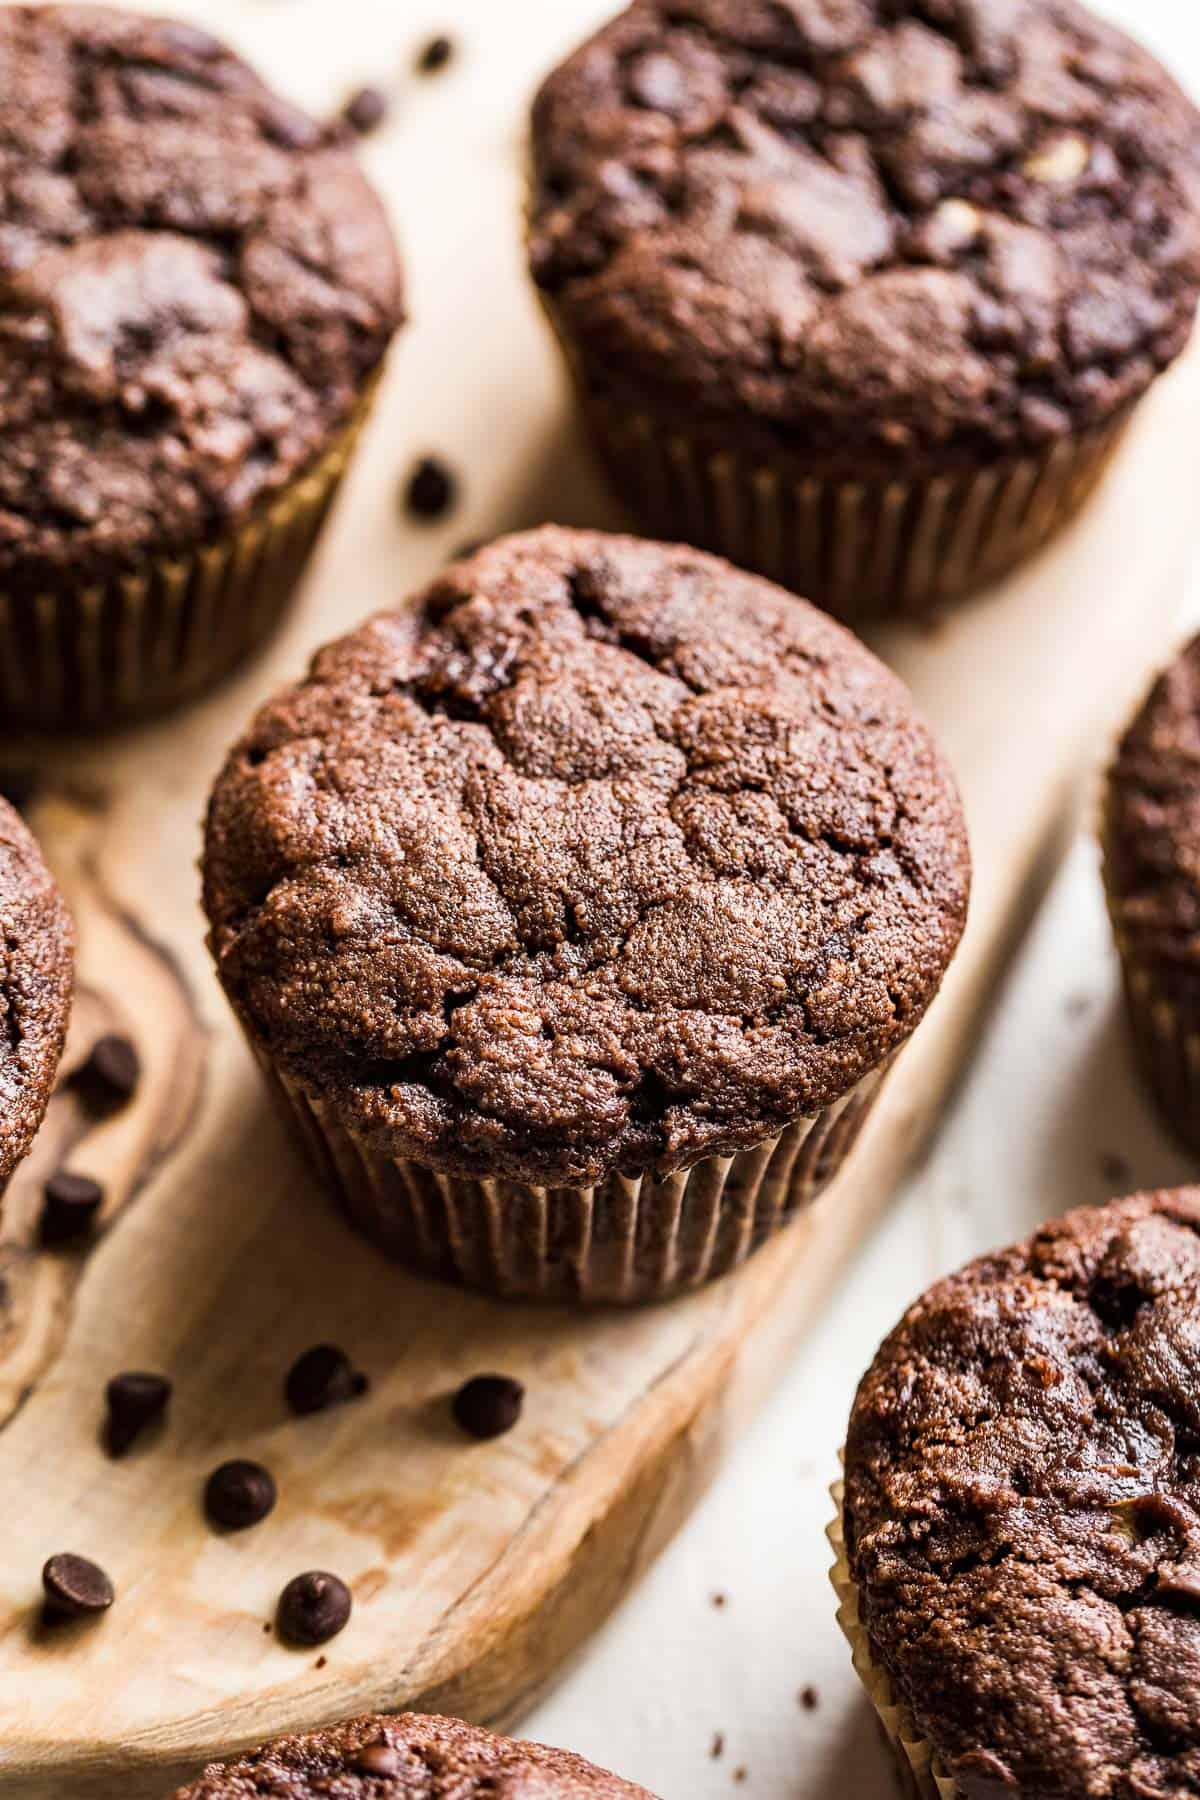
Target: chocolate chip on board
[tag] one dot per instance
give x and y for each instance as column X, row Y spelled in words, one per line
column 313, row 1608
column 324, row 1376
column 69, row 1207
column 136, row 1400
column 488, row 1405
column 110, row 1075
column 431, row 490
column 239, row 1494
column 366, row 110
column 435, row 55
column 75, row 1588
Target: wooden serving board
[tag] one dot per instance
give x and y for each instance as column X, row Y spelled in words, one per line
column 476, row 1569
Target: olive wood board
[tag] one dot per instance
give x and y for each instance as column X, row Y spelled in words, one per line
column 476, row 1568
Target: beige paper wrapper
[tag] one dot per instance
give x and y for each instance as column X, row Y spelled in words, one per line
column 627, row 1240
column 868, row 551
column 922, row 1774
column 142, row 643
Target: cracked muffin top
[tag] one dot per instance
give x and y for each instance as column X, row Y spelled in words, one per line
column 883, row 229
column 1022, row 1509
column 1152, row 833
column 408, row 1758
column 195, row 284
column 35, row 987
column 599, row 855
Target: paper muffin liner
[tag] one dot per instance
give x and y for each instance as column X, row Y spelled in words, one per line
column 921, row 1772
column 85, row 658
column 627, row 1240
column 868, row 550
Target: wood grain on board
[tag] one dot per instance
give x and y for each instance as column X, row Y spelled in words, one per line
column 476, row 1569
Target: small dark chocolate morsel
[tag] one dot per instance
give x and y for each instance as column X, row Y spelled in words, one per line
column 366, row 110
column 489, row 1405
column 376, row 1759
column 431, row 489
column 136, row 1400
column 435, row 55
column 313, row 1608
column 324, row 1376
column 110, row 1075
column 69, row 1207
column 75, row 1588
column 239, row 1494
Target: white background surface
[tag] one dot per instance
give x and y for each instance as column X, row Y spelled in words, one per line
column 1049, row 1118
column 1049, row 1115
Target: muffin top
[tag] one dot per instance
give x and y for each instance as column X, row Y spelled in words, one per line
column 407, row 1758
column 599, row 855
column 35, row 987
column 1023, row 1508
column 197, row 281
column 1152, row 834
column 889, row 230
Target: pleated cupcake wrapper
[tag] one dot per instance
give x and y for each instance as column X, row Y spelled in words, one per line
column 626, row 1240
column 141, row 643
column 920, row 1770
column 865, row 550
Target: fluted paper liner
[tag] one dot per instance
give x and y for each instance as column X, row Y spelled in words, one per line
column 626, row 1240
column 916, row 1759
column 141, row 643
column 867, row 550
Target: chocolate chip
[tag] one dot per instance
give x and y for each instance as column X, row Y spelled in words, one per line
column 365, row 110
column 110, row 1075
column 239, row 1494
column 69, row 1207
column 135, row 1400
column 313, row 1608
column 376, row 1759
column 435, row 55
column 324, row 1376
column 810, row 1699
column 431, row 489
column 75, row 1588
column 489, row 1405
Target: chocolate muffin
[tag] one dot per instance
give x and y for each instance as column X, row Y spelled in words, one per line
column 408, row 1757
column 1151, row 833
column 861, row 293
column 198, row 290
column 1020, row 1570
column 577, row 909
column 36, row 982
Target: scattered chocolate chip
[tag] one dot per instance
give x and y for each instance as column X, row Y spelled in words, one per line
column 810, row 1699
column 313, row 1608
column 320, row 1662
column 365, row 110
column 135, row 1401
column 739, row 1775
column 717, row 1747
column 110, row 1075
column 719, row 1600
column 75, row 1587
column 19, row 787
column 488, row 1405
column 435, row 55
column 239, row 1494
column 324, row 1376
column 431, row 489
column 69, row 1207
column 376, row 1759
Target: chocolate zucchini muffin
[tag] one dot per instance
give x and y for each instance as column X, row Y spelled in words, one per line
column 198, row 290
column 1019, row 1555
column 36, row 984
column 862, row 293
column 408, row 1757
column 577, row 909
column 1151, row 833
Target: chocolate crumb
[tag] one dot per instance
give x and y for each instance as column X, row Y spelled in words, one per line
column 324, row 1376
column 110, row 1075
column 322, row 1662
column 239, row 1494
column 435, row 55
column 313, row 1608
column 69, row 1208
column 431, row 490
column 366, row 110
column 810, row 1699
column 739, row 1775
column 135, row 1400
column 717, row 1747
column 75, row 1588
column 720, row 1600
column 488, row 1405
